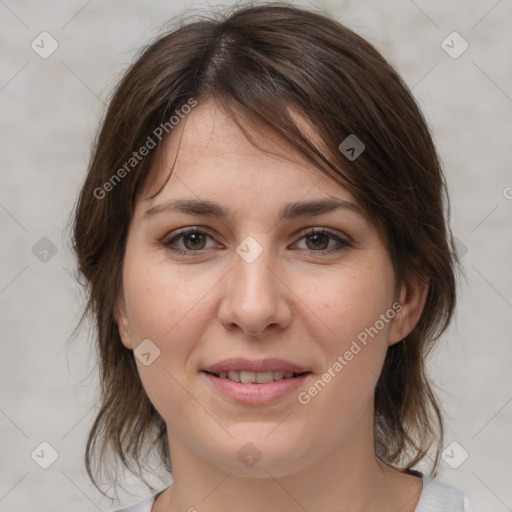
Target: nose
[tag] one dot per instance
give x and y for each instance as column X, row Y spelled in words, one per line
column 255, row 298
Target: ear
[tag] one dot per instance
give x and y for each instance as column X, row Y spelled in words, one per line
column 412, row 297
column 121, row 319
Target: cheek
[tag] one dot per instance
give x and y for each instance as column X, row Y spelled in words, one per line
column 167, row 307
column 348, row 303
column 170, row 306
column 346, row 312
column 164, row 301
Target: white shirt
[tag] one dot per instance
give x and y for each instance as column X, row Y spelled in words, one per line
column 435, row 497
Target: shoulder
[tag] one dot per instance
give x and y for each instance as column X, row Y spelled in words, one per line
column 441, row 497
column 142, row 506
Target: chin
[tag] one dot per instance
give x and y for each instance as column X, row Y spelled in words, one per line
column 257, row 456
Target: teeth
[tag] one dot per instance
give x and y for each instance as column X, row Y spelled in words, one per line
column 247, row 377
column 264, row 377
column 234, row 375
column 252, row 377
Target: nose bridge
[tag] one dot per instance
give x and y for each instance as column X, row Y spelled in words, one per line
column 254, row 297
column 251, row 279
column 252, row 286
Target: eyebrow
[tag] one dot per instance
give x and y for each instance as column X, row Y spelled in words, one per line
column 289, row 211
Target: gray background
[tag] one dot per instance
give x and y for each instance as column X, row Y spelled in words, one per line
column 50, row 109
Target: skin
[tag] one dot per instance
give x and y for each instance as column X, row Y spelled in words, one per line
column 296, row 301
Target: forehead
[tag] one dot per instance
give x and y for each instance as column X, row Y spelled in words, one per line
column 209, row 129
column 211, row 157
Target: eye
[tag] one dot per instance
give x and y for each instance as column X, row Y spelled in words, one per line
column 188, row 240
column 323, row 240
column 193, row 239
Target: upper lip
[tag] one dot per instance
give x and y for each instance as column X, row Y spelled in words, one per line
column 257, row 366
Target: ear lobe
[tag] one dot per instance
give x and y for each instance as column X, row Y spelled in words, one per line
column 121, row 319
column 413, row 296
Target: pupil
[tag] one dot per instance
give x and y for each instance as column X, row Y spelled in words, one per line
column 195, row 239
column 320, row 237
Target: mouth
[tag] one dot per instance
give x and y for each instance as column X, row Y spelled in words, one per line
column 247, row 377
column 255, row 382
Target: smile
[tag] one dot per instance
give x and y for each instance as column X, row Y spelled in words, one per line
column 246, row 377
column 255, row 388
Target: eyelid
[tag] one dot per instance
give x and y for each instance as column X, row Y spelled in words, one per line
column 329, row 231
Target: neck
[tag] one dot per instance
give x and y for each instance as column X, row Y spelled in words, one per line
column 347, row 479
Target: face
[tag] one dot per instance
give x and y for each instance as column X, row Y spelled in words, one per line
column 257, row 265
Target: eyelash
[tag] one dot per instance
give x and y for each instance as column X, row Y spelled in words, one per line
column 343, row 244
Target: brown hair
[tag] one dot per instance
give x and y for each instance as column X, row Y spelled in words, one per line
column 259, row 62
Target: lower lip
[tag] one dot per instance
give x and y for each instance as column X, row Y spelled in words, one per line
column 255, row 393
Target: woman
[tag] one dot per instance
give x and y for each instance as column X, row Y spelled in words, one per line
column 268, row 261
